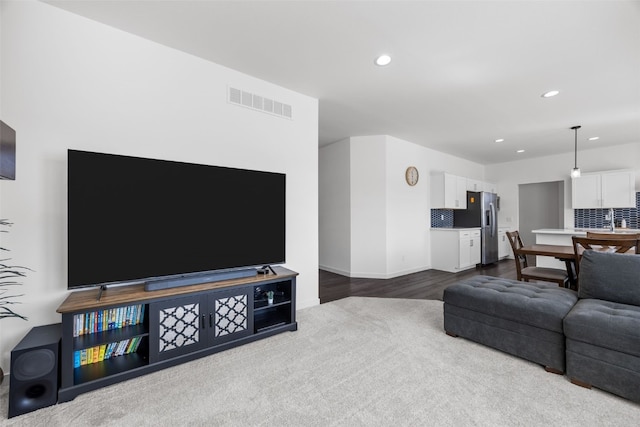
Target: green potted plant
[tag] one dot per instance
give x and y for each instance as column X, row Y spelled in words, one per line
column 9, row 276
column 269, row 297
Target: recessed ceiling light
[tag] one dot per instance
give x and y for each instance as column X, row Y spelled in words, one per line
column 383, row 60
column 550, row 93
column 520, row 151
column 593, row 138
column 500, row 140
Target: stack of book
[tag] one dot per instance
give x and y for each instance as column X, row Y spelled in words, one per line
column 105, row 351
column 104, row 320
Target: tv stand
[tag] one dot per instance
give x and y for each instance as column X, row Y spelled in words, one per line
column 124, row 334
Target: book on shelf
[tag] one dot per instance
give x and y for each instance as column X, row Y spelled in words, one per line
column 133, row 345
column 116, row 350
column 127, row 347
column 110, row 349
column 104, row 352
column 140, row 314
column 107, row 319
column 101, row 352
column 121, row 347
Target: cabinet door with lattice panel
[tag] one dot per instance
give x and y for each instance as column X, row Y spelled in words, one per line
column 230, row 315
column 179, row 327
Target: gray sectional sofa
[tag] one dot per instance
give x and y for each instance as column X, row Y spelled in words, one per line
column 603, row 329
column 593, row 335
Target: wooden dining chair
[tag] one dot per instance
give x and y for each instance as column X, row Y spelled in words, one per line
column 627, row 244
column 526, row 273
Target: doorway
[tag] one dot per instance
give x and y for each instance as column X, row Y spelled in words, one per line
column 540, row 205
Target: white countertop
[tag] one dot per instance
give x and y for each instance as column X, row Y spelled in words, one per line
column 454, row 228
column 582, row 231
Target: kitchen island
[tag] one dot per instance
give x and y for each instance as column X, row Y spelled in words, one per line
column 562, row 236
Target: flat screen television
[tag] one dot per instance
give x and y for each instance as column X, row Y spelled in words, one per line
column 133, row 220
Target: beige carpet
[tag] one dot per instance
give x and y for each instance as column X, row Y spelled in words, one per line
column 357, row 361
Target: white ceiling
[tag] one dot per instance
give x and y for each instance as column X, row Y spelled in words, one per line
column 464, row 73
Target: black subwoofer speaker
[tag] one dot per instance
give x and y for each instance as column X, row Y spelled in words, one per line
column 34, row 370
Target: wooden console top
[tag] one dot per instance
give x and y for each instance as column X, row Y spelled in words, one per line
column 86, row 300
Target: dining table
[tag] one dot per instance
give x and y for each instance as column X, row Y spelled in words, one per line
column 561, row 252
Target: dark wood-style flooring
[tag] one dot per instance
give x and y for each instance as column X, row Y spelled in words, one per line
column 429, row 284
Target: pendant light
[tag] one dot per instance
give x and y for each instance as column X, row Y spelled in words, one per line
column 575, row 172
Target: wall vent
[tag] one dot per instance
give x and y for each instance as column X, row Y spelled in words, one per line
column 259, row 103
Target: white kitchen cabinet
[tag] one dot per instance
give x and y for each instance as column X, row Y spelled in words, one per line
column 477, row 185
column 464, row 254
column 448, row 191
column 474, row 185
column 586, row 192
column 490, row 187
column 504, row 247
column 615, row 189
column 475, row 254
column 455, row 249
column 619, row 190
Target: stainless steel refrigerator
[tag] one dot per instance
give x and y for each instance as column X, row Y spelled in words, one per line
column 481, row 212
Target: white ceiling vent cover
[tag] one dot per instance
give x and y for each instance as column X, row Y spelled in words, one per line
column 259, row 103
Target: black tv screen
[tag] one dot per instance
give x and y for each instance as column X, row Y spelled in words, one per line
column 133, row 219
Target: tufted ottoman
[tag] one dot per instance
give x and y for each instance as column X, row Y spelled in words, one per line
column 519, row 318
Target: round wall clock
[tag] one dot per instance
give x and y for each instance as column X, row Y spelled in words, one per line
column 411, row 175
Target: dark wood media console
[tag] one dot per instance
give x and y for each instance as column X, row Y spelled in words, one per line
column 131, row 332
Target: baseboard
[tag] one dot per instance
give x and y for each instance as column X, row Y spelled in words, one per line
column 365, row 275
column 335, row 270
column 408, row 271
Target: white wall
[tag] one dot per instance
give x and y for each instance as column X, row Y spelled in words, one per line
column 557, row 168
column 334, row 203
column 407, row 209
column 389, row 220
column 68, row 82
column 368, row 206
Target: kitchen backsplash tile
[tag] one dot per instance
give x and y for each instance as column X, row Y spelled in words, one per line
column 594, row 218
column 583, row 218
column 441, row 218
